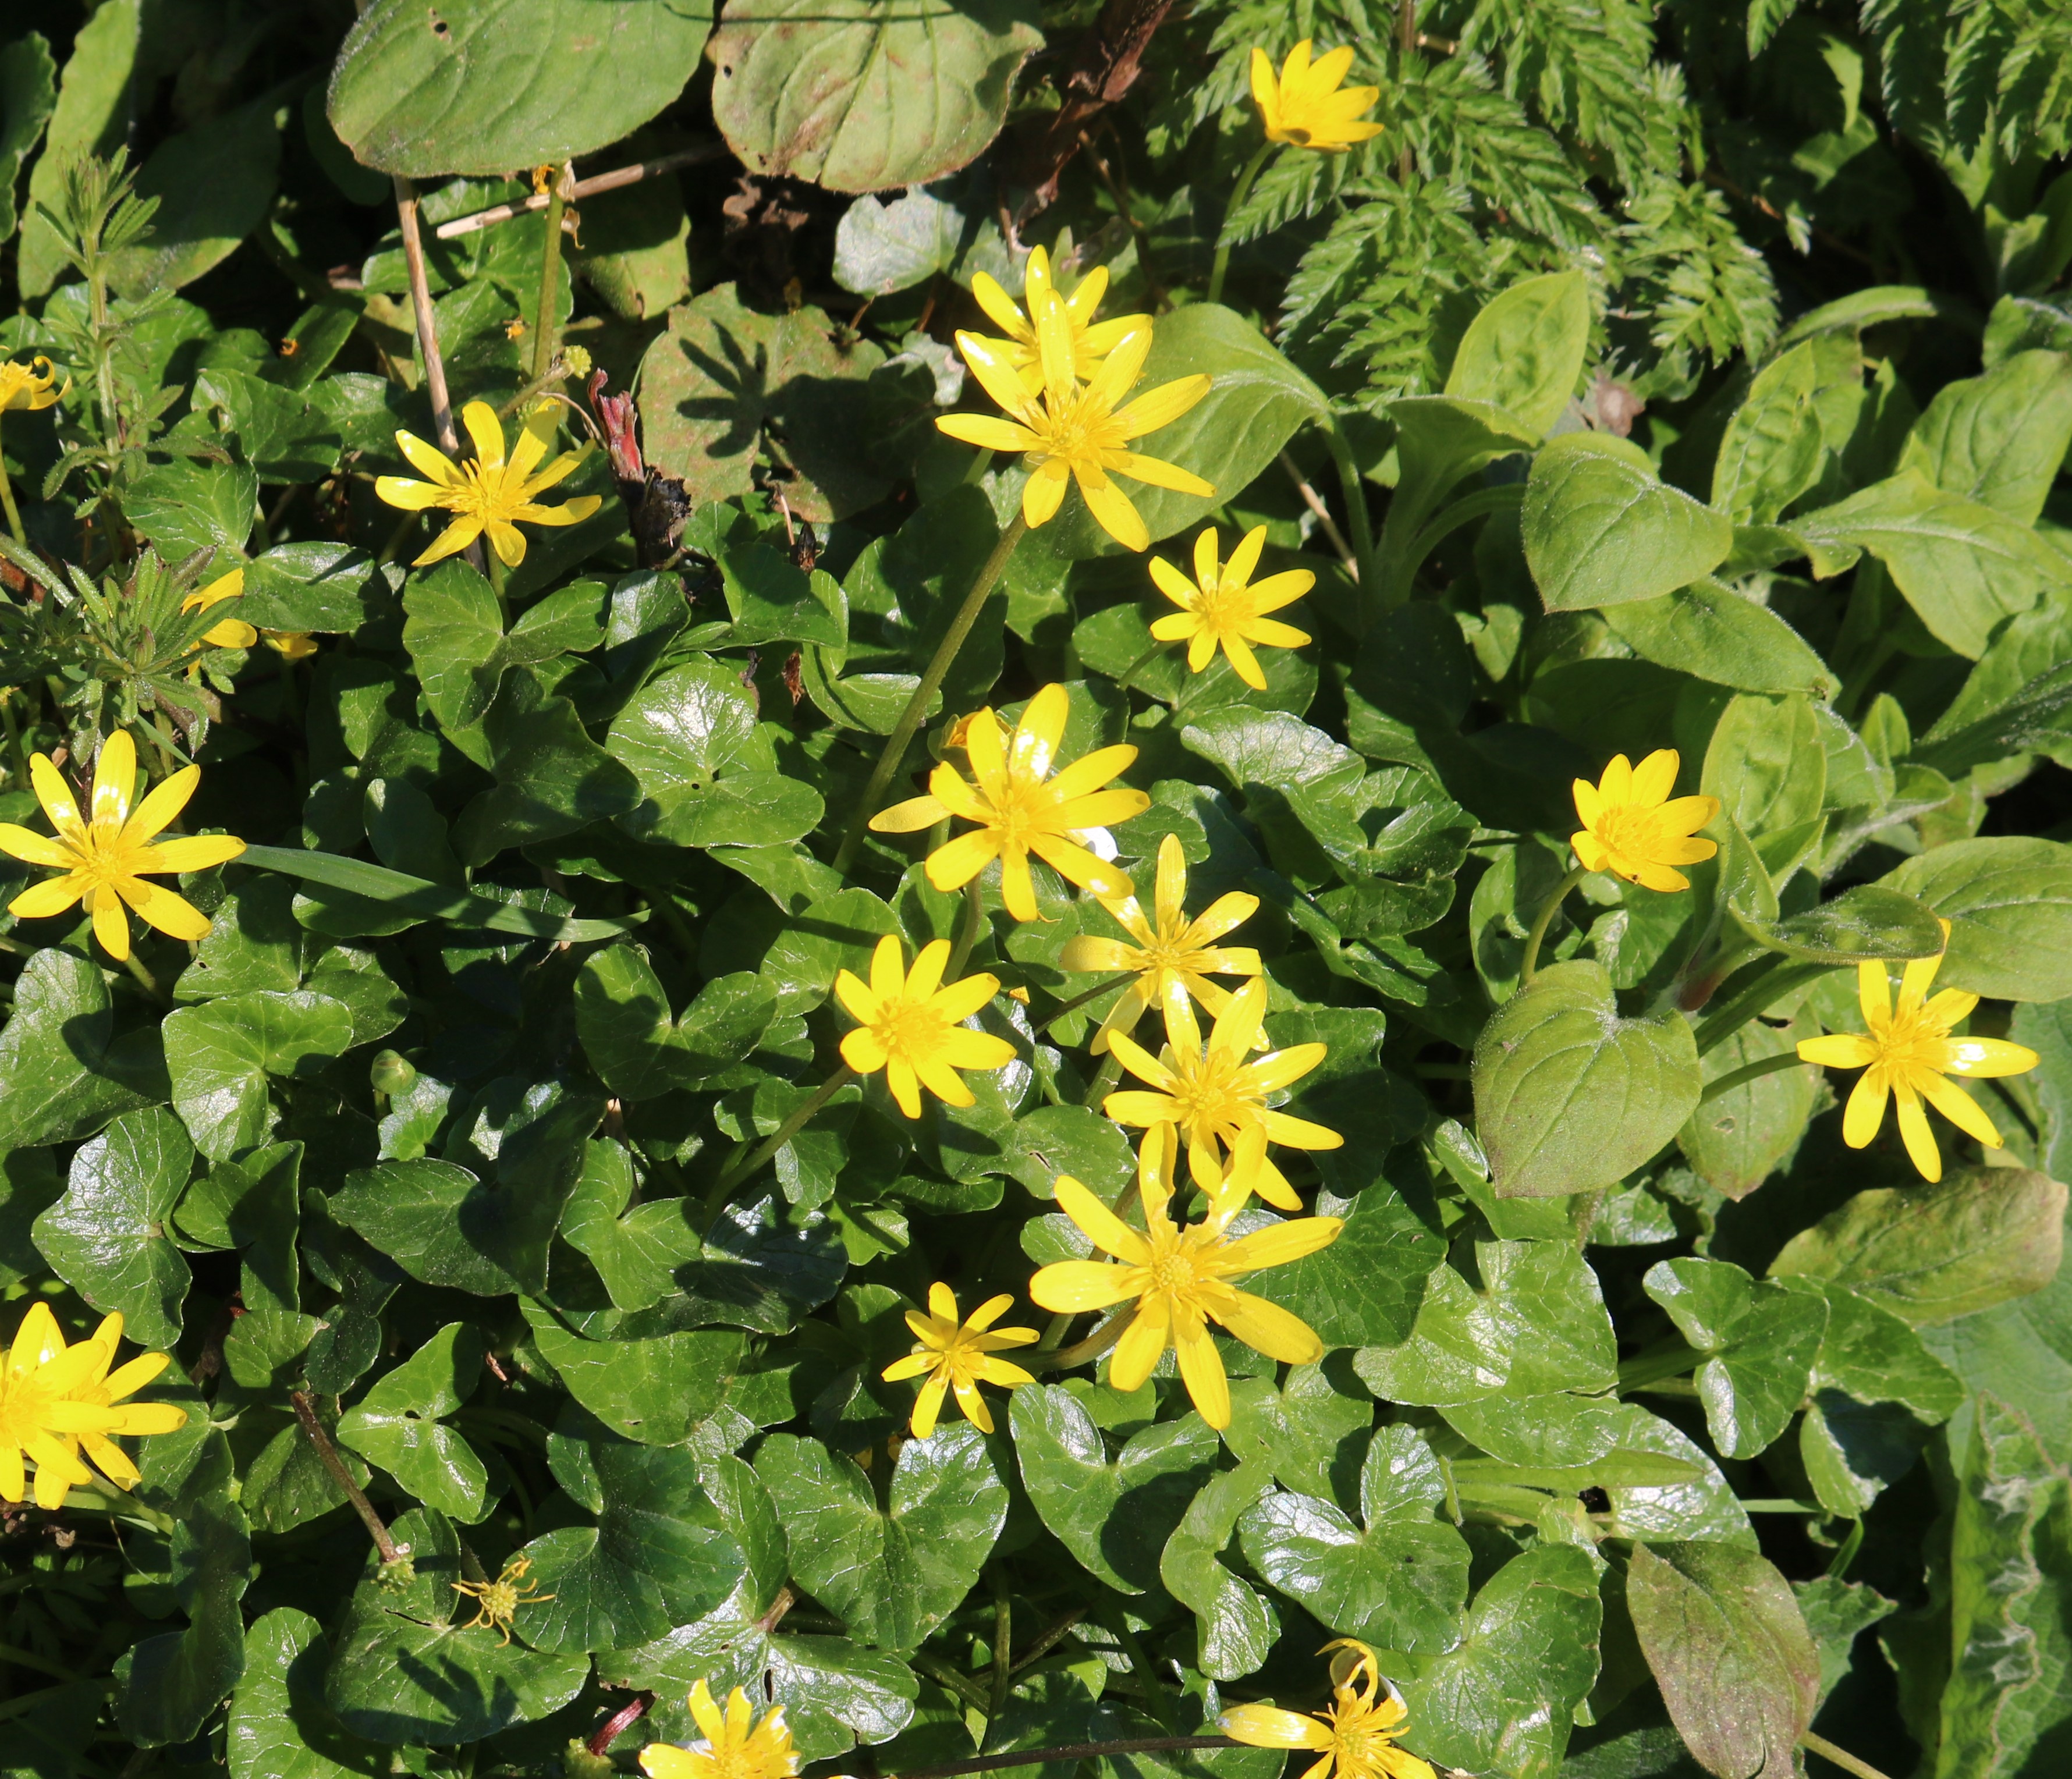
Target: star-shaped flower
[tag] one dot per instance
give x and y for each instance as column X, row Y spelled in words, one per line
column 959, row 1356
column 1020, row 807
column 735, row 1747
column 489, row 493
column 1304, row 106
column 55, row 1397
column 1908, row 1054
column 913, row 1028
column 496, row 1603
column 106, row 858
column 1091, row 340
column 1634, row 828
column 1355, row 1734
column 1224, row 608
column 1171, row 951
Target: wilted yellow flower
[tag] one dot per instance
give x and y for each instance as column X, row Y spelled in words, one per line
column 29, row 386
column 1305, row 106
column 291, row 645
column 1214, row 1095
column 1224, row 608
column 959, row 1356
column 1634, row 828
column 496, row 1603
column 54, row 1398
column 1355, row 1733
column 1075, row 431
column 490, row 493
column 1020, row 809
column 913, row 1028
column 106, row 858
column 1908, row 1052
column 1180, row 1275
column 1171, row 952
column 1091, row 340
column 735, row 1746
column 232, row 632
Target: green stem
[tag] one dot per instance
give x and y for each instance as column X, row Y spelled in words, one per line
column 1078, row 1001
column 1095, row 1345
column 550, row 273
column 740, row 1168
column 1781, row 979
column 1239, row 193
column 146, row 980
column 917, row 706
column 1105, row 1078
column 1531, row 961
column 1753, row 1071
column 1842, row 1758
column 7, row 500
column 974, row 925
column 15, row 751
column 1003, row 1649
column 1480, row 504
column 497, row 573
column 1374, row 595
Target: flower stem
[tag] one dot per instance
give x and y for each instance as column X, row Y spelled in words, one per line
column 1095, row 1345
column 1368, row 569
column 7, row 500
column 550, row 272
column 917, row 706
column 1814, row 1744
column 740, row 1168
column 16, row 753
column 1770, row 986
column 1531, row 961
column 328, row 1456
column 1239, row 193
column 146, row 980
column 1078, row 1001
column 974, row 925
column 495, row 564
column 1753, row 1071
column 620, row 1722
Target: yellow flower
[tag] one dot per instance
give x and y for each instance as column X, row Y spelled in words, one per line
column 959, row 1356
column 1304, row 106
column 30, row 386
column 1355, row 1733
column 1634, row 828
column 490, row 493
column 54, row 1399
column 291, row 645
column 913, row 1028
column 735, row 1746
column 106, row 858
column 1091, row 340
column 1020, row 809
column 1174, row 954
column 1075, row 431
column 1225, row 608
column 1213, row 1095
column 1907, row 1053
column 232, row 632
column 1180, row 1276
column 496, row 1603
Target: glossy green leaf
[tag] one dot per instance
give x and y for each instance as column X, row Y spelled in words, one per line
column 1867, row 920
column 63, row 1071
column 1235, row 1625
column 1601, row 529
column 400, row 1423
column 2008, row 901
column 425, row 900
column 639, row 1050
column 1568, row 1095
column 222, row 1054
column 1735, row 1140
column 1760, row 1341
column 1365, row 1289
column 654, row 1389
column 106, row 1237
column 171, row 1684
column 1709, row 631
column 280, row 1727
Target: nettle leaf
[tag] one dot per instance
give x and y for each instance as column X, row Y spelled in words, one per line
column 405, row 1671
column 63, row 1073
column 1504, row 1700
column 400, row 1424
column 1931, row 1253
column 1601, row 528
column 892, row 1573
column 2008, row 901
column 1400, row 1582
column 1760, row 1341
column 1115, row 1516
column 1998, row 439
column 1727, row 1645
column 858, row 98
column 222, row 1053
column 106, row 1237
column 639, row 1050
column 1568, row 1095
column 1773, row 449
column 659, row 1555
column 464, row 95
column 1867, row 920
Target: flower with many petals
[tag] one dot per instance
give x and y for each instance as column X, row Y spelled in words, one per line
column 1180, row 1275
column 1214, row 1095
column 1634, row 829
column 29, row 386
column 1171, row 952
column 1020, row 807
column 490, row 493
column 1355, row 1735
column 229, row 632
column 1225, row 608
column 106, row 856
column 496, row 1603
column 1305, row 106
column 1908, row 1052
column 1074, row 431
column 735, row 1745
column 913, row 1028
column 55, row 1398
column 959, row 1356
column 1091, row 340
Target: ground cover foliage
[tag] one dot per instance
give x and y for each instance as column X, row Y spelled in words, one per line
column 533, row 1209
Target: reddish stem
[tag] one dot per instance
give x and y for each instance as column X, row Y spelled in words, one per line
column 619, row 1722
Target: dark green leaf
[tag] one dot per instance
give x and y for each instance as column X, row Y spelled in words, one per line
column 64, row 1074
column 400, row 1423
column 106, row 1237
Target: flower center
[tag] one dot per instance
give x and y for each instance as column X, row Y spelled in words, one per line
column 1222, row 607
column 493, row 491
column 1912, row 1042
column 1630, row 831
column 907, row 1029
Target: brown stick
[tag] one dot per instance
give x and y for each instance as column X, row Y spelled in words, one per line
column 1105, row 66
column 584, row 188
column 306, row 1412
column 420, row 308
